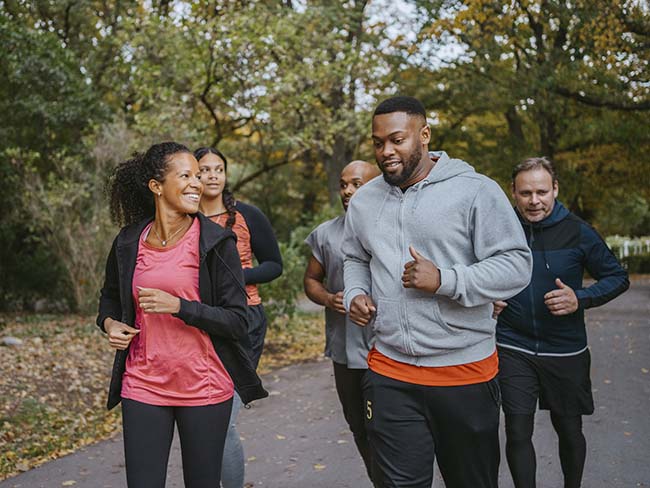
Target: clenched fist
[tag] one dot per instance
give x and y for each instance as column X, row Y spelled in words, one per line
column 335, row 302
column 562, row 301
column 119, row 334
column 361, row 309
column 152, row 300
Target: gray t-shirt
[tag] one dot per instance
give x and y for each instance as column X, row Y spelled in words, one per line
column 345, row 342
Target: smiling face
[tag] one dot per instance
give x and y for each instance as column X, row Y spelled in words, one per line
column 181, row 189
column 213, row 175
column 534, row 192
column 400, row 142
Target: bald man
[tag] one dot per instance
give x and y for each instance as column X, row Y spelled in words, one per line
column 346, row 344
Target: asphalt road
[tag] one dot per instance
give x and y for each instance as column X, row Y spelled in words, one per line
column 297, row 437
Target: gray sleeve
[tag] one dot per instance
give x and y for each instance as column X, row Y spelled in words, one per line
column 504, row 261
column 313, row 240
column 356, row 261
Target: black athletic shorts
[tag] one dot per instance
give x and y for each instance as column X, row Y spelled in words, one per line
column 561, row 383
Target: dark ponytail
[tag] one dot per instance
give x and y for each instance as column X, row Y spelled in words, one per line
column 226, row 195
column 131, row 200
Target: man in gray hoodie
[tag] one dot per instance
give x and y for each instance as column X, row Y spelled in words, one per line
column 428, row 248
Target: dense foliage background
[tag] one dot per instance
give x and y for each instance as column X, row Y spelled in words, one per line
column 286, row 89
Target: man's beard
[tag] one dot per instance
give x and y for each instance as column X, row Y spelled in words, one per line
column 408, row 168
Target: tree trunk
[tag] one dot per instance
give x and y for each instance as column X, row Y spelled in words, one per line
column 342, row 154
column 547, row 136
column 308, row 174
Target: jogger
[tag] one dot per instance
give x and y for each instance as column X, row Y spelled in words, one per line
column 255, row 240
column 541, row 331
column 427, row 248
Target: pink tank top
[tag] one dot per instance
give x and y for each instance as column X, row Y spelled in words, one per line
column 171, row 363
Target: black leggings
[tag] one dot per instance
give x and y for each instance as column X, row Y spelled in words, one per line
column 521, row 454
column 148, row 434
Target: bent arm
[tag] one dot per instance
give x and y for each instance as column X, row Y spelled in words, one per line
column 264, row 246
column 313, row 283
column 602, row 265
column 227, row 317
column 504, row 261
column 110, row 305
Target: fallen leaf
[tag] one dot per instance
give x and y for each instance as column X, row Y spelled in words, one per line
column 319, row 467
column 280, row 437
column 645, row 370
column 69, row 483
column 607, row 382
column 68, row 354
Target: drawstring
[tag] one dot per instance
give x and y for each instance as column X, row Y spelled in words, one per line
column 541, row 241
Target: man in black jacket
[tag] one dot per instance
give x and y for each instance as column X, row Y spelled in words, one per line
column 541, row 336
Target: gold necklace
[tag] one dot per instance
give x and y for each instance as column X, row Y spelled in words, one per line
column 164, row 242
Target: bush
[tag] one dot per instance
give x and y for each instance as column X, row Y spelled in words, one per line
column 637, row 264
column 67, row 210
column 279, row 296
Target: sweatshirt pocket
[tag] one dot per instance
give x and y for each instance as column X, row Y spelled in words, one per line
column 429, row 332
column 415, row 327
column 387, row 327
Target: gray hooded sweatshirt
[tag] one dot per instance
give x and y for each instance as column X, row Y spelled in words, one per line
column 461, row 221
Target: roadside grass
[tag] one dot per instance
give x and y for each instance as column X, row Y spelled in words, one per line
column 53, row 387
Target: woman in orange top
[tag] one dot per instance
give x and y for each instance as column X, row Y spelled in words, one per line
column 255, row 238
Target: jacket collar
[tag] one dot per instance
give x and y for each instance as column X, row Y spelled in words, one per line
column 558, row 214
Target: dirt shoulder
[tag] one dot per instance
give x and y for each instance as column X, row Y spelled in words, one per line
column 53, row 385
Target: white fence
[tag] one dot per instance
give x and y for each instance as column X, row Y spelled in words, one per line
column 624, row 246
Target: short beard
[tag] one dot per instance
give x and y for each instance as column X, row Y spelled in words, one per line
column 408, row 169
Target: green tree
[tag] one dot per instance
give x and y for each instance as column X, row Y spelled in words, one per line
column 567, row 80
column 47, row 107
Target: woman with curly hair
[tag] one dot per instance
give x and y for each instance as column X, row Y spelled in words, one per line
column 173, row 306
column 255, row 238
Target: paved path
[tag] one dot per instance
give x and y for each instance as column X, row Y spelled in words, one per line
column 297, row 438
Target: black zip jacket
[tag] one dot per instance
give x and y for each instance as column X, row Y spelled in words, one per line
column 563, row 246
column 221, row 312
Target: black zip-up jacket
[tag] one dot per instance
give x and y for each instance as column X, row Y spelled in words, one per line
column 221, row 312
column 563, row 246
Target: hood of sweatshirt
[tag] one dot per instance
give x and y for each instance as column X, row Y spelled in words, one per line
column 446, row 167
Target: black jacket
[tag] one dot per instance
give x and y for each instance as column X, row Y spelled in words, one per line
column 563, row 247
column 221, row 312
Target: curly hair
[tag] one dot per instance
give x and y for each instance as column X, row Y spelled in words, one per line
column 226, row 195
column 128, row 187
